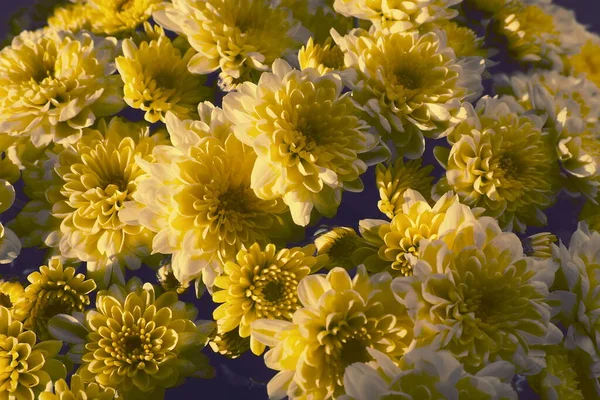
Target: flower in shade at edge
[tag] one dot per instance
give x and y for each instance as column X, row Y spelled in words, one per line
column 339, row 245
column 9, row 175
column 72, row 17
column 197, row 198
column 310, row 144
column 54, row 84
column 167, row 279
column 539, row 245
column 52, row 290
column 157, row 80
column 474, row 293
column 10, row 245
column 394, row 245
column 503, row 161
column 587, row 61
column 425, row 374
column 340, row 320
column 26, row 368
column 78, row 390
column 118, row 17
column 229, row 344
column 463, row 40
column 261, row 284
column 11, row 298
column 394, row 179
column 93, row 180
column 135, row 341
column 408, row 84
column 235, row 36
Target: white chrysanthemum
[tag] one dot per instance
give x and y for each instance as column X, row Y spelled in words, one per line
column 475, row 294
column 425, row 374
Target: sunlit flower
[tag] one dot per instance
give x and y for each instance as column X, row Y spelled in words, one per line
column 307, row 136
column 136, row 342
column 409, row 84
column 119, row 17
column 342, row 318
column 539, row 245
column 326, row 57
column 11, row 298
column 394, row 179
column 229, row 344
column 198, row 199
column 78, row 390
column 27, row 368
column 10, row 245
column 157, row 80
column 502, row 161
column 474, row 293
column 54, row 84
column 425, row 374
column 72, row 17
column 339, row 244
column 233, row 35
column 396, row 15
column 52, row 290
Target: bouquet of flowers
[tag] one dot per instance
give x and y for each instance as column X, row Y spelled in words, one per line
column 374, row 199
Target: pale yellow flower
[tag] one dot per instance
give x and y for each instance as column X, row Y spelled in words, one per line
column 119, row 17
column 78, row 390
column 71, row 17
column 327, row 57
column 11, row 297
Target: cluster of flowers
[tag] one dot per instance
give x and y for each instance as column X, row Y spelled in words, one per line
column 440, row 300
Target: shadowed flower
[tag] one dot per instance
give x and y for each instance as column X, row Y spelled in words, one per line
column 229, row 344
column 167, row 279
column 78, row 390
column 71, row 17
column 539, row 245
column 587, row 61
column 11, row 298
column 10, row 245
column 339, row 244
column 119, row 17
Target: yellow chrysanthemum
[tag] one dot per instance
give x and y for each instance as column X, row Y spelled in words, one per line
column 261, row 284
column 54, row 290
column 327, row 57
column 10, row 245
column 397, row 15
column 136, row 342
column 157, row 80
column 54, row 84
column 233, row 35
column 339, row 244
column 119, row 17
column 167, row 279
column 394, row 179
column 309, row 141
column 475, row 294
column 409, row 84
column 78, row 390
column 198, row 198
column 539, row 245
column 11, row 297
column 587, row 62
column 26, row 368
column 71, row 17
column 502, row 161
column 229, row 344
column 463, row 40
column 93, row 179
column 340, row 320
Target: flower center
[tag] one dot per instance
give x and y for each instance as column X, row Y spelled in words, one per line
column 406, row 79
column 273, row 291
column 233, row 200
column 509, row 166
column 133, row 344
column 5, row 300
column 334, row 58
column 354, row 351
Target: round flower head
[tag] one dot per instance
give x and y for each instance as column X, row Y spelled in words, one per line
column 93, row 180
column 78, row 390
column 27, row 368
column 261, row 284
column 425, row 374
column 397, row 15
column 54, row 289
column 157, row 80
column 119, row 17
column 409, row 84
column 539, row 245
column 72, row 17
column 463, row 40
column 229, row 344
column 502, row 161
column 394, row 179
column 587, row 61
column 198, row 199
column 232, row 35
column 136, row 342
column 307, row 136
column 54, row 84
column 10, row 245
column 327, row 57
column 340, row 320
column 11, row 298
column 475, row 294
column 339, row 244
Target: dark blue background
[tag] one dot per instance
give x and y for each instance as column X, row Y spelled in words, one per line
column 246, row 377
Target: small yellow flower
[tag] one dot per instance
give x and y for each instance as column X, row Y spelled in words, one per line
column 11, row 297
column 119, row 17
column 78, row 390
column 327, row 57
column 587, row 62
column 229, row 344
column 157, row 80
column 261, row 284
column 54, row 290
column 539, row 245
column 339, row 244
column 71, row 17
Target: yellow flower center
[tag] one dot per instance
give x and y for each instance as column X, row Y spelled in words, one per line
column 509, row 166
column 134, row 345
column 274, row 292
column 405, row 78
column 333, row 58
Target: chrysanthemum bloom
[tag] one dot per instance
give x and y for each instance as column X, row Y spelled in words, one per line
column 78, row 390
column 409, row 84
column 157, row 80
column 326, row 57
column 54, row 290
column 425, row 374
column 504, row 162
column 475, row 294
column 397, row 15
column 71, row 17
column 261, row 284
column 339, row 244
column 167, row 279
column 229, row 344
column 11, row 297
column 119, row 17
column 307, row 136
column 136, row 342
column 463, row 40
column 198, row 199
column 340, row 320
column 539, row 245
column 233, row 35
column 395, row 244
column 587, row 61
column 54, row 84
column 27, row 368
column 394, row 179
column 10, row 245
